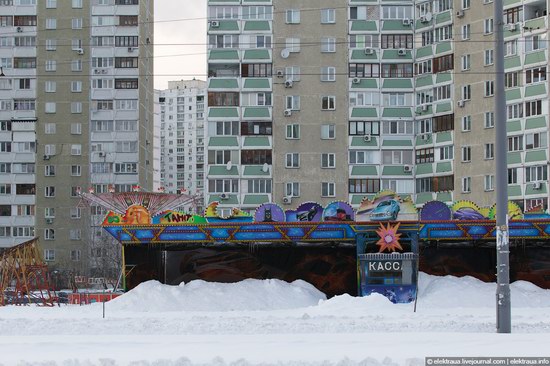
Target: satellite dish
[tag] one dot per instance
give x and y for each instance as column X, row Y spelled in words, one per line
column 285, row 53
column 265, row 168
column 429, row 17
column 229, row 165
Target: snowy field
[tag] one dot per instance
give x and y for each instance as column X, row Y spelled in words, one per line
column 275, row 323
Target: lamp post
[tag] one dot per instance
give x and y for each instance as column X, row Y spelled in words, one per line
column 502, row 243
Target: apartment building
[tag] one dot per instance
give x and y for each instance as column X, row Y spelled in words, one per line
column 318, row 101
column 81, row 71
column 181, row 121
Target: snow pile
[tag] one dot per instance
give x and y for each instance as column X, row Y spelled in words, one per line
column 198, row 295
column 469, row 292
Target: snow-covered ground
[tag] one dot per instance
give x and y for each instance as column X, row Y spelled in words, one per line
column 272, row 322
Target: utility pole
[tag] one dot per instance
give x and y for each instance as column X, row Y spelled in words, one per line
column 502, row 244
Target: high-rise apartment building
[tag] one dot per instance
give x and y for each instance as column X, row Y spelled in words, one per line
column 325, row 100
column 181, row 120
column 79, row 74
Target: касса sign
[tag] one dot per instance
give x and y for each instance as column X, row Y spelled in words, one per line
column 383, row 266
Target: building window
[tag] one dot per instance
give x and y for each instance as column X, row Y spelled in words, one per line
column 515, row 143
column 466, row 184
column 535, row 140
column 74, row 234
column 466, row 154
column 364, row 186
column 328, row 132
column 397, row 41
column 328, row 103
column 328, row 73
column 293, row 102
column 293, row 131
column 75, row 255
column 361, row 128
column 488, row 26
column 489, row 119
column 328, row 16
column 328, row 189
column 489, row 151
column 466, row 123
column 126, row 83
column 489, row 183
column 49, row 170
column 328, row 44
column 49, row 191
column 328, row 160
column 293, row 16
column 76, row 149
column 536, row 173
column 489, row 57
column 535, row 75
column 292, row 44
column 443, row 123
column 533, row 108
column 466, row 30
column 292, row 189
column 76, row 170
column 489, row 88
column 424, row 156
column 466, row 92
column 512, row 175
column 511, row 79
column 292, row 160
column 465, row 62
column 51, row 23
column 49, row 254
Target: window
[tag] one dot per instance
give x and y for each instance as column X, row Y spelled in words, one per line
column 49, row 170
column 536, row 173
column 489, row 59
column 293, row 44
column 443, row 123
column 256, row 128
column 76, row 86
column 364, row 70
column 128, row 20
column 328, row 44
column 259, row 186
column 535, row 140
column 292, row 16
column 465, row 62
column 256, row 157
column 292, row 160
column 424, row 156
column 488, row 26
column 76, row 128
column 51, row 65
column 514, row 111
column 222, row 128
column 292, row 189
column 49, row 191
column 362, row 128
column 223, row 186
column 74, row 234
column 364, row 186
column 49, row 149
column 328, row 160
column 397, row 157
column 446, row 153
column 76, row 212
column 50, row 86
column 466, row 92
column 76, row 23
column 512, row 175
column 328, row 103
column 328, row 16
column 328, row 189
column 534, row 43
column 328, row 73
column 126, row 62
column 466, row 184
column 515, row 143
column 489, row 151
column 397, row 70
column 293, row 132
column 535, row 75
column 256, row 70
column 76, row 65
column 533, row 108
column 50, row 107
column 49, row 254
column 125, row 168
column 511, row 79
column 51, row 44
column 466, row 154
column 489, row 88
column 363, row 157
column 76, row 149
column 397, row 127
column 466, row 30
column 511, row 47
column 466, row 123
column 489, row 183
column 51, row 23
column 489, row 119
column 328, row 132
column 443, row 63
column 51, row 4
column 292, row 73
column 76, row 170
column 75, row 255
column 126, row 83
column 77, row 4
column 75, row 191
column 293, row 102
column 396, row 41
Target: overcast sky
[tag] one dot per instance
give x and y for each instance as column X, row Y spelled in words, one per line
column 176, row 28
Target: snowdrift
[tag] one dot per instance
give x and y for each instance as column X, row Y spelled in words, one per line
column 198, row 295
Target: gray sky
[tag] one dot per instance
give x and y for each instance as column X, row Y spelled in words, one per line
column 179, row 34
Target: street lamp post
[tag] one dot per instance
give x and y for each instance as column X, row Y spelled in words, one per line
column 502, row 243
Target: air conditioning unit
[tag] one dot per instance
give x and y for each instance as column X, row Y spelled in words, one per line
column 407, row 168
column 288, row 83
column 97, row 71
column 512, row 27
column 288, row 112
column 80, row 51
column 224, row 196
column 130, row 49
column 425, row 136
column 355, row 80
column 369, row 51
column 537, row 185
column 101, row 154
column 19, row 30
column 103, row 71
column 214, row 24
column 367, row 138
column 407, row 21
column 46, row 157
column 424, row 19
column 287, row 200
column 460, row 103
column 425, row 107
column 402, row 52
column 49, row 221
column 280, row 73
column 460, row 13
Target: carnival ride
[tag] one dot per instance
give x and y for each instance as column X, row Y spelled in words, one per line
column 24, row 276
